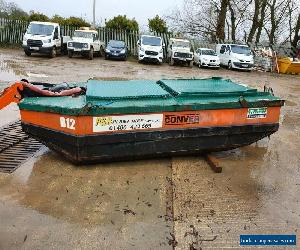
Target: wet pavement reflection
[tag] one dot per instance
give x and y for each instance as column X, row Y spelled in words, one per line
column 153, row 204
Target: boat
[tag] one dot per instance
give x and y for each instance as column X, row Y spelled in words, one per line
column 104, row 121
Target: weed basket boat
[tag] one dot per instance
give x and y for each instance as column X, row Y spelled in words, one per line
column 137, row 119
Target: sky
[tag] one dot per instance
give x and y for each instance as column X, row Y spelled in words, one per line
column 140, row 9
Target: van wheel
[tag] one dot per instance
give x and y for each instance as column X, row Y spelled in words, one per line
column 171, row 62
column 27, row 52
column 101, row 52
column 200, row 64
column 191, row 64
column 230, row 65
column 91, row 54
column 70, row 53
column 53, row 52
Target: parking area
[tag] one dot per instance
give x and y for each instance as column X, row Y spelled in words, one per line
column 171, row 203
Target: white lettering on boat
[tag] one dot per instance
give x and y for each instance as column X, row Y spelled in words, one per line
column 68, row 123
column 127, row 122
column 254, row 113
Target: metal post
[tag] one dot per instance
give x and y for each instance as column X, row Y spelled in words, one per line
column 94, row 13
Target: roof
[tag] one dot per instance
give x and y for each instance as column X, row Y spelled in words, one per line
column 150, row 36
column 179, row 39
column 45, row 23
column 206, row 49
column 244, row 45
column 88, row 31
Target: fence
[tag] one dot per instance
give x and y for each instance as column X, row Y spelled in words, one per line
column 12, row 31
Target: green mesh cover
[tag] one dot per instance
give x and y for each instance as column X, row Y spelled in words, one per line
column 144, row 96
column 114, row 90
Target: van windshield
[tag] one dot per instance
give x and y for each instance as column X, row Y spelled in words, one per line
column 152, row 41
column 241, row 50
column 116, row 44
column 181, row 44
column 208, row 52
column 83, row 34
column 40, row 29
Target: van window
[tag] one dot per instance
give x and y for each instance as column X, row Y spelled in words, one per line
column 94, row 37
column 56, row 35
column 241, row 50
column 223, row 48
column 40, row 29
column 152, row 41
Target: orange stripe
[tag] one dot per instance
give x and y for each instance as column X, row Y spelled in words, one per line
column 83, row 125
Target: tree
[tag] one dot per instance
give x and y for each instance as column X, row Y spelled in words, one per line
column 196, row 18
column 12, row 11
column 157, row 24
column 276, row 19
column 297, row 33
column 220, row 32
column 261, row 20
column 58, row 19
column 76, row 21
column 238, row 10
column 37, row 16
column 122, row 23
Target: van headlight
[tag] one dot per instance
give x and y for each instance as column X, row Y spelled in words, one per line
column 107, row 50
column 142, row 49
column 161, row 51
column 25, row 39
column 85, row 45
column 123, row 51
column 70, row 44
column 47, row 41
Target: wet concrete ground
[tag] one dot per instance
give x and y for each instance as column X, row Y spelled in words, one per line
column 155, row 204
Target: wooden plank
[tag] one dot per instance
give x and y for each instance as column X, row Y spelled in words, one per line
column 214, row 163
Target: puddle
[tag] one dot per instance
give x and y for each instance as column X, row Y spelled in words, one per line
column 290, row 103
column 37, row 75
column 103, row 194
column 9, row 72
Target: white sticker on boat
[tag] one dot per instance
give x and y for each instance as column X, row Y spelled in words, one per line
column 67, row 123
column 127, row 122
column 254, row 113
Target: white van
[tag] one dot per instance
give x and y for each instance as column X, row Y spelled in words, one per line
column 150, row 48
column 44, row 38
column 235, row 56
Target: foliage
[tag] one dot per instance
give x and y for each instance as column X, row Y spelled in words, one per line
column 250, row 21
column 72, row 21
column 76, row 21
column 157, row 24
column 37, row 16
column 12, row 11
column 58, row 19
column 122, row 23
